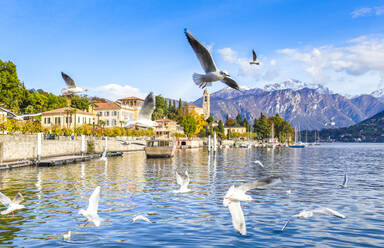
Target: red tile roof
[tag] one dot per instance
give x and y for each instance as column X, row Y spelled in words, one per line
column 64, row 111
column 106, row 105
column 130, row 98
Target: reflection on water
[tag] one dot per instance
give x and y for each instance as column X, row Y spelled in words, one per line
column 133, row 185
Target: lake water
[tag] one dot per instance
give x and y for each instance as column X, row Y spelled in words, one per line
column 133, row 185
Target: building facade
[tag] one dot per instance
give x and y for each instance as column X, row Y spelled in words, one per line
column 193, row 108
column 118, row 113
column 66, row 117
column 238, row 129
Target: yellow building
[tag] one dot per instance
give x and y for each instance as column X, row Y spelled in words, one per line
column 118, row 113
column 238, row 129
column 193, row 108
column 66, row 117
column 131, row 104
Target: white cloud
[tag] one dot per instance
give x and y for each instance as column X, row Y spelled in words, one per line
column 360, row 56
column 367, row 11
column 116, row 91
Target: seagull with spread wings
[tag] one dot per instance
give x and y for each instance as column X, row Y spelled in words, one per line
column 212, row 74
column 345, row 182
column 310, row 213
column 236, row 194
column 254, row 59
column 12, row 115
column 11, row 205
column 93, row 204
column 72, row 88
column 145, row 113
column 183, row 182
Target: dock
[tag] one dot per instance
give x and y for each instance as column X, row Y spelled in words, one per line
column 15, row 164
column 70, row 159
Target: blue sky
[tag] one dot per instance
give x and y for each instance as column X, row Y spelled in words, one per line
column 121, row 48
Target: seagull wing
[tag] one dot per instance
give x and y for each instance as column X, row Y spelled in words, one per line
column 345, row 180
column 93, row 203
column 238, row 220
column 329, row 211
column 179, row 179
column 10, row 113
column 68, row 80
column 148, row 107
column 201, row 52
column 18, row 198
column 30, row 115
column 5, row 199
column 186, row 179
column 231, row 83
column 254, row 55
column 285, row 225
column 260, row 183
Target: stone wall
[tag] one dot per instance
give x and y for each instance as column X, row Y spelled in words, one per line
column 23, row 147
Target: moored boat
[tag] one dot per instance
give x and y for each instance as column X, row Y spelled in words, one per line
column 160, row 149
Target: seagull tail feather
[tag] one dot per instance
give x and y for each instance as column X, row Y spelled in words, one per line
column 197, row 78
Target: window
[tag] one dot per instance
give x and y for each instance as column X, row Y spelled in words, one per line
column 106, row 113
column 205, row 98
column 114, row 113
column 45, row 120
column 49, row 120
column 114, row 122
column 57, row 120
column 78, row 119
column 100, row 113
column 107, row 122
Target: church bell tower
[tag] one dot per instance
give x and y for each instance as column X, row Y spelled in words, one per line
column 206, row 104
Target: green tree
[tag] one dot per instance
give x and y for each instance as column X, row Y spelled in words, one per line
column 230, row 123
column 221, row 126
column 189, row 124
column 239, row 120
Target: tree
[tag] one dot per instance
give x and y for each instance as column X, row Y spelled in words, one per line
column 263, row 127
column 221, row 126
column 210, row 119
column 189, row 124
column 239, row 120
column 230, row 123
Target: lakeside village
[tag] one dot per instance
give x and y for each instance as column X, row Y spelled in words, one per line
column 87, row 120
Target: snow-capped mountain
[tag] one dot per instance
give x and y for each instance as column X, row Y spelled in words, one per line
column 378, row 94
column 295, row 85
column 306, row 105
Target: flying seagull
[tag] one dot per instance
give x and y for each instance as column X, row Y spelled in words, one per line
column 183, row 182
column 259, row 163
column 345, row 182
column 91, row 213
column 254, row 61
column 236, row 194
column 11, row 205
column 11, row 115
column 67, row 236
column 212, row 74
column 310, row 213
column 72, row 88
column 141, row 217
column 145, row 113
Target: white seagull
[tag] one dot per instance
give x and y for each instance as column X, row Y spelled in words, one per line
column 141, row 217
column 259, row 163
column 212, row 74
column 72, row 88
column 236, row 194
column 183, row 182
column 254, row 60
column 67, row 236
column 12, row 115
column 310, row 213
column 145, row 113
column 103, row 155
column 345, row 182
column 11, row 205
column 91, row 213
